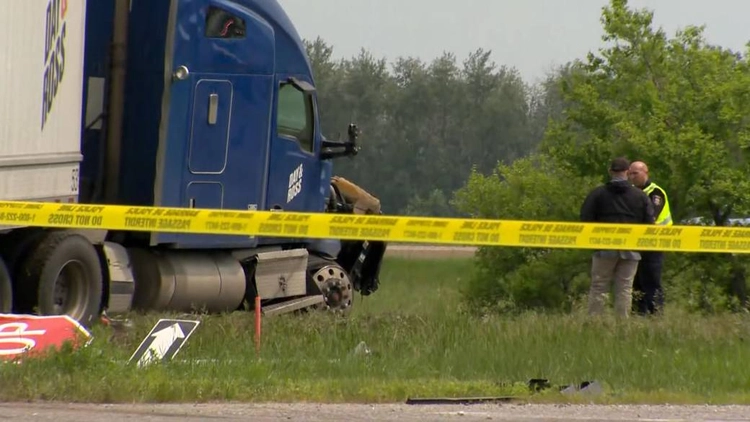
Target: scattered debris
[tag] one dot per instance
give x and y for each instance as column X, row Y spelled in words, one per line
column 31, row 335
column 537, row 385
column 362, row 349
column 586, row 387
column 116, row 324
column 461, row 400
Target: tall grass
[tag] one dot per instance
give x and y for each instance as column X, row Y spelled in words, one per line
column 420, row 343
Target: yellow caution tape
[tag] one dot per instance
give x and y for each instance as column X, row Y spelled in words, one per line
column 537, row 234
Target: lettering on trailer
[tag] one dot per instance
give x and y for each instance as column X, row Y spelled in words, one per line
column 163, row 341
column 295, row 184
column 55, row 32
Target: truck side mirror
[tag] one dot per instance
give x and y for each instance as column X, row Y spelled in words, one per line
column 334, row 149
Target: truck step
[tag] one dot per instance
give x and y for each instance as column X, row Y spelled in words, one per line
column 292, row 305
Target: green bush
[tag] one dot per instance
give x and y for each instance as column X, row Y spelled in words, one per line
column 510, row 279
column 706, row 283
column 514, row 279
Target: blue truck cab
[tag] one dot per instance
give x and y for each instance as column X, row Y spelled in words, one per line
column 197, row 104
column 219, row 111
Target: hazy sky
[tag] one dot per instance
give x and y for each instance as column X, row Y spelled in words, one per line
column 531, row 35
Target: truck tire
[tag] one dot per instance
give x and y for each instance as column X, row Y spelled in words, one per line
column 6, row 289
column 64, row 274
column 18, row 244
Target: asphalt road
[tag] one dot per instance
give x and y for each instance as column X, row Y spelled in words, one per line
column 61, row 412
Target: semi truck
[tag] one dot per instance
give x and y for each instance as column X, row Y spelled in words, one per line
column 189, row 104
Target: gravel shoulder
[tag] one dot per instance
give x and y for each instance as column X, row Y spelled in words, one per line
column 429, row 251
column 61, row 412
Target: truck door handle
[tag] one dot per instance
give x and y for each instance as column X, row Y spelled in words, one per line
column 213, row 108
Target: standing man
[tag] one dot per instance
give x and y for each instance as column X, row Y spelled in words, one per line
column 647, row 283
column 617, row 201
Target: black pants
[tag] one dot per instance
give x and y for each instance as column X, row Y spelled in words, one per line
column 648, row 294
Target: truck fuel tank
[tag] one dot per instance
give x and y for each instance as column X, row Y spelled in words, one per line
column 186, row 281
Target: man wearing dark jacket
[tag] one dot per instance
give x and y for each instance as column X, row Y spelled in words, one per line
column 617, row 201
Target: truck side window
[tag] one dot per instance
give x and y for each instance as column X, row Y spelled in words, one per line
column 295, row 115
column 222, row 24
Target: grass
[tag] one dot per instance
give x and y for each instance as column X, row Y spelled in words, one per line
column 420, row 345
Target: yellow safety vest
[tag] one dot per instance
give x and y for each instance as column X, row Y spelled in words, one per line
column 665, row 216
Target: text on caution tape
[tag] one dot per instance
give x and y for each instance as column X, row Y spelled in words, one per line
column 449, row 231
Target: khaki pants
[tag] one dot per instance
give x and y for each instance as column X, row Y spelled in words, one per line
column 604, row 272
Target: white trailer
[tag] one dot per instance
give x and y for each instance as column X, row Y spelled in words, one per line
column 40, row 99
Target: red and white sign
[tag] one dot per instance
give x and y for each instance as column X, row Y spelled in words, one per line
column 29, row 335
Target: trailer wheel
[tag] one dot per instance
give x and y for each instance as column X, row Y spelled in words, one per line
column 64, row 274
column 6, row 289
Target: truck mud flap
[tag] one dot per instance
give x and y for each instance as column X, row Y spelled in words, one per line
column 362, row 260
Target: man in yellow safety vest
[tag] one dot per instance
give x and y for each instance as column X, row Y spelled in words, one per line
column 647, row 288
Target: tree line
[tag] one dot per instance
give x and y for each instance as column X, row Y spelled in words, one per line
column 426, row 126
column 473, row 139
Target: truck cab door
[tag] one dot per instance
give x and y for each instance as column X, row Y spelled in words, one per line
column 214, row 148
column 295, row 167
